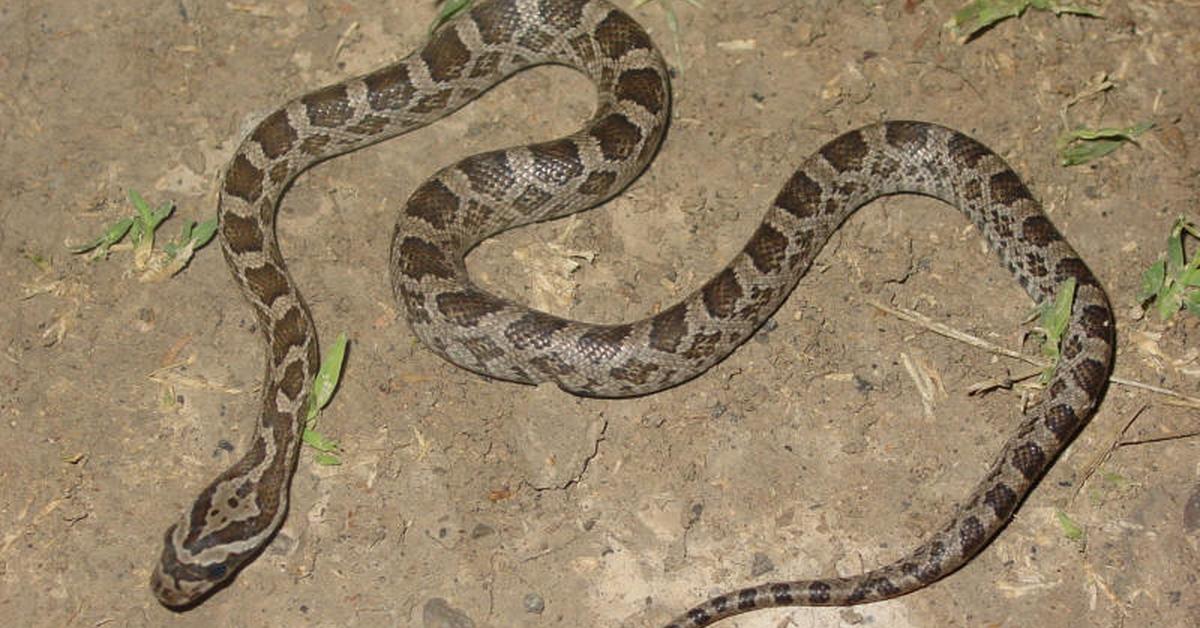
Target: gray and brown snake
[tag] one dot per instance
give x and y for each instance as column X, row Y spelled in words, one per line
column 235, row 517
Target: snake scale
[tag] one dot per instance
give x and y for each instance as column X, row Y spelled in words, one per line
column 237, row 514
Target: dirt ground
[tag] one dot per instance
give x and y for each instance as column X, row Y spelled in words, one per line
column 464, row 502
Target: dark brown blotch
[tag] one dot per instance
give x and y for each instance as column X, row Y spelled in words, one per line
column 445, row 55
column 846, row 152
column 417, row 259
column 275, row 134
column 292, row 381
column 617, row 136
column 328, row 107
column 556, row 162
column 533, row 330
column 603, row 344
column 267, row 283
column 434, row 203
column 1090, row 375
column 1007, row 188
column 747, row 599
column 1029, row 459
column 966, row 150
column 243, row 180
column 801, row 196
column 618, row 35
column 467, row 308
column 970, row 534
column 767, row 249
column 668, row 328
column 819, row 592
column 781, row 594
column 1062, row 421
column 1039, row 231
column 489, row 173
column 287, row 332
column 389, row 89
column 1002, row 500
column 721, row 294
column 699, row 617
column 906, row 135
column 643, row 86
column 241, row 235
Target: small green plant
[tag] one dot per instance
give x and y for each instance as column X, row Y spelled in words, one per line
column 1053, row 319
column 324, row 384
column 981, row 14
column 1173, row 283
column 1083, row 145
column 155, row 265
column 1071, row 530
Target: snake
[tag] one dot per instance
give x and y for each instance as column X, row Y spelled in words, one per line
column 237, row 514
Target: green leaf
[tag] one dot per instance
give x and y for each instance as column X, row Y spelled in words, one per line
column 1153, row 280
column 204, row 232
column 1083, row 145
column 1169, row 300
column 1054, row 320
column 318, row 441
column 150, row 218
column 981, row 14
column 1070, row 529
column 327, row 460
column 193, row 236
column 324, row 385
column 327, row 377
column 1175, row 260
column 111, row 236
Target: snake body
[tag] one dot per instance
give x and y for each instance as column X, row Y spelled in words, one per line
column 237, row 514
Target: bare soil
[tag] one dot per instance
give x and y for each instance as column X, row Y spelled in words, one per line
column 465, row 502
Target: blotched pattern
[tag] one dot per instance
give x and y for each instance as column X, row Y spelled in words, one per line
column 236, row 515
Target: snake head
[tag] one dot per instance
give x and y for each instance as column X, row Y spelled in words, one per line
column 182, row 579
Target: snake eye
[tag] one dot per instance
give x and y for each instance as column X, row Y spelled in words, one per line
column 217, row 571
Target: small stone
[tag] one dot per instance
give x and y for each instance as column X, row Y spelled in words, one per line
column 534, row 603
column 1191, row 512
column 851, row 616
